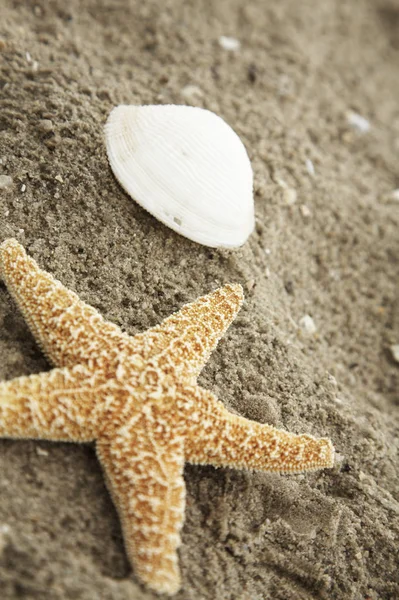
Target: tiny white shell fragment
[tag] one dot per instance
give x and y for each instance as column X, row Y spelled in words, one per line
column 186, row 167
column 305, row 210
column 192, row 93
column 358, row 122
column 395, row 352
column 229, row 43
column 332, row 380
column 42, row 451
column 307, row 325
column 310, row 167
column 394, row 195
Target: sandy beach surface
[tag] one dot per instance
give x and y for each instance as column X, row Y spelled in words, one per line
column 325, row 245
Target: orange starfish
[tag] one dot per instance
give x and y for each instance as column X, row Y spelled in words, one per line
column 137, row 398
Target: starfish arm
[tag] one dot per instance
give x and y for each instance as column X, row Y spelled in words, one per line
column 68, row 330
column 183, row 342
column 61, row 404
column 143, row 466
column 220, row 438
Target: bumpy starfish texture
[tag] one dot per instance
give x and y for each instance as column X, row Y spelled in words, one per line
column 137, row 398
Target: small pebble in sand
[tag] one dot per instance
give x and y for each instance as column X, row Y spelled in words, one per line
column 5, row 181
column 267, row 273
column 59, row 178
column 395, row 352
column 310, row 167
column 307, row 325
column 46, row 125
column 191, row 93
column 5, row 531
column 53, row 141
column 289, row 193
column 332, row 380
column 260, row 187
column 305, row 210
column 250, row 284
column 229, row 43
column 290, row 196
column 339, row 458
column 286, row 87
column 23, row 187
column 289, row 287
column 357, row 122
column 28, row 57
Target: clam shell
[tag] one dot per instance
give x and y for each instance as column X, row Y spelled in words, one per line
column 187, row 167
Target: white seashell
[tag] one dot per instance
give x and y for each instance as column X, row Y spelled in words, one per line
column 187, row 167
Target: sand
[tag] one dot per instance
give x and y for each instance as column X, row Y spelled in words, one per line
column 332, row 254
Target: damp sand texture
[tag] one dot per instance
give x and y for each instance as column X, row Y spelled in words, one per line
column 310, row 351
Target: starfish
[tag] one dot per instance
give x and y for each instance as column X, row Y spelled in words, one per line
column 138, row 400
